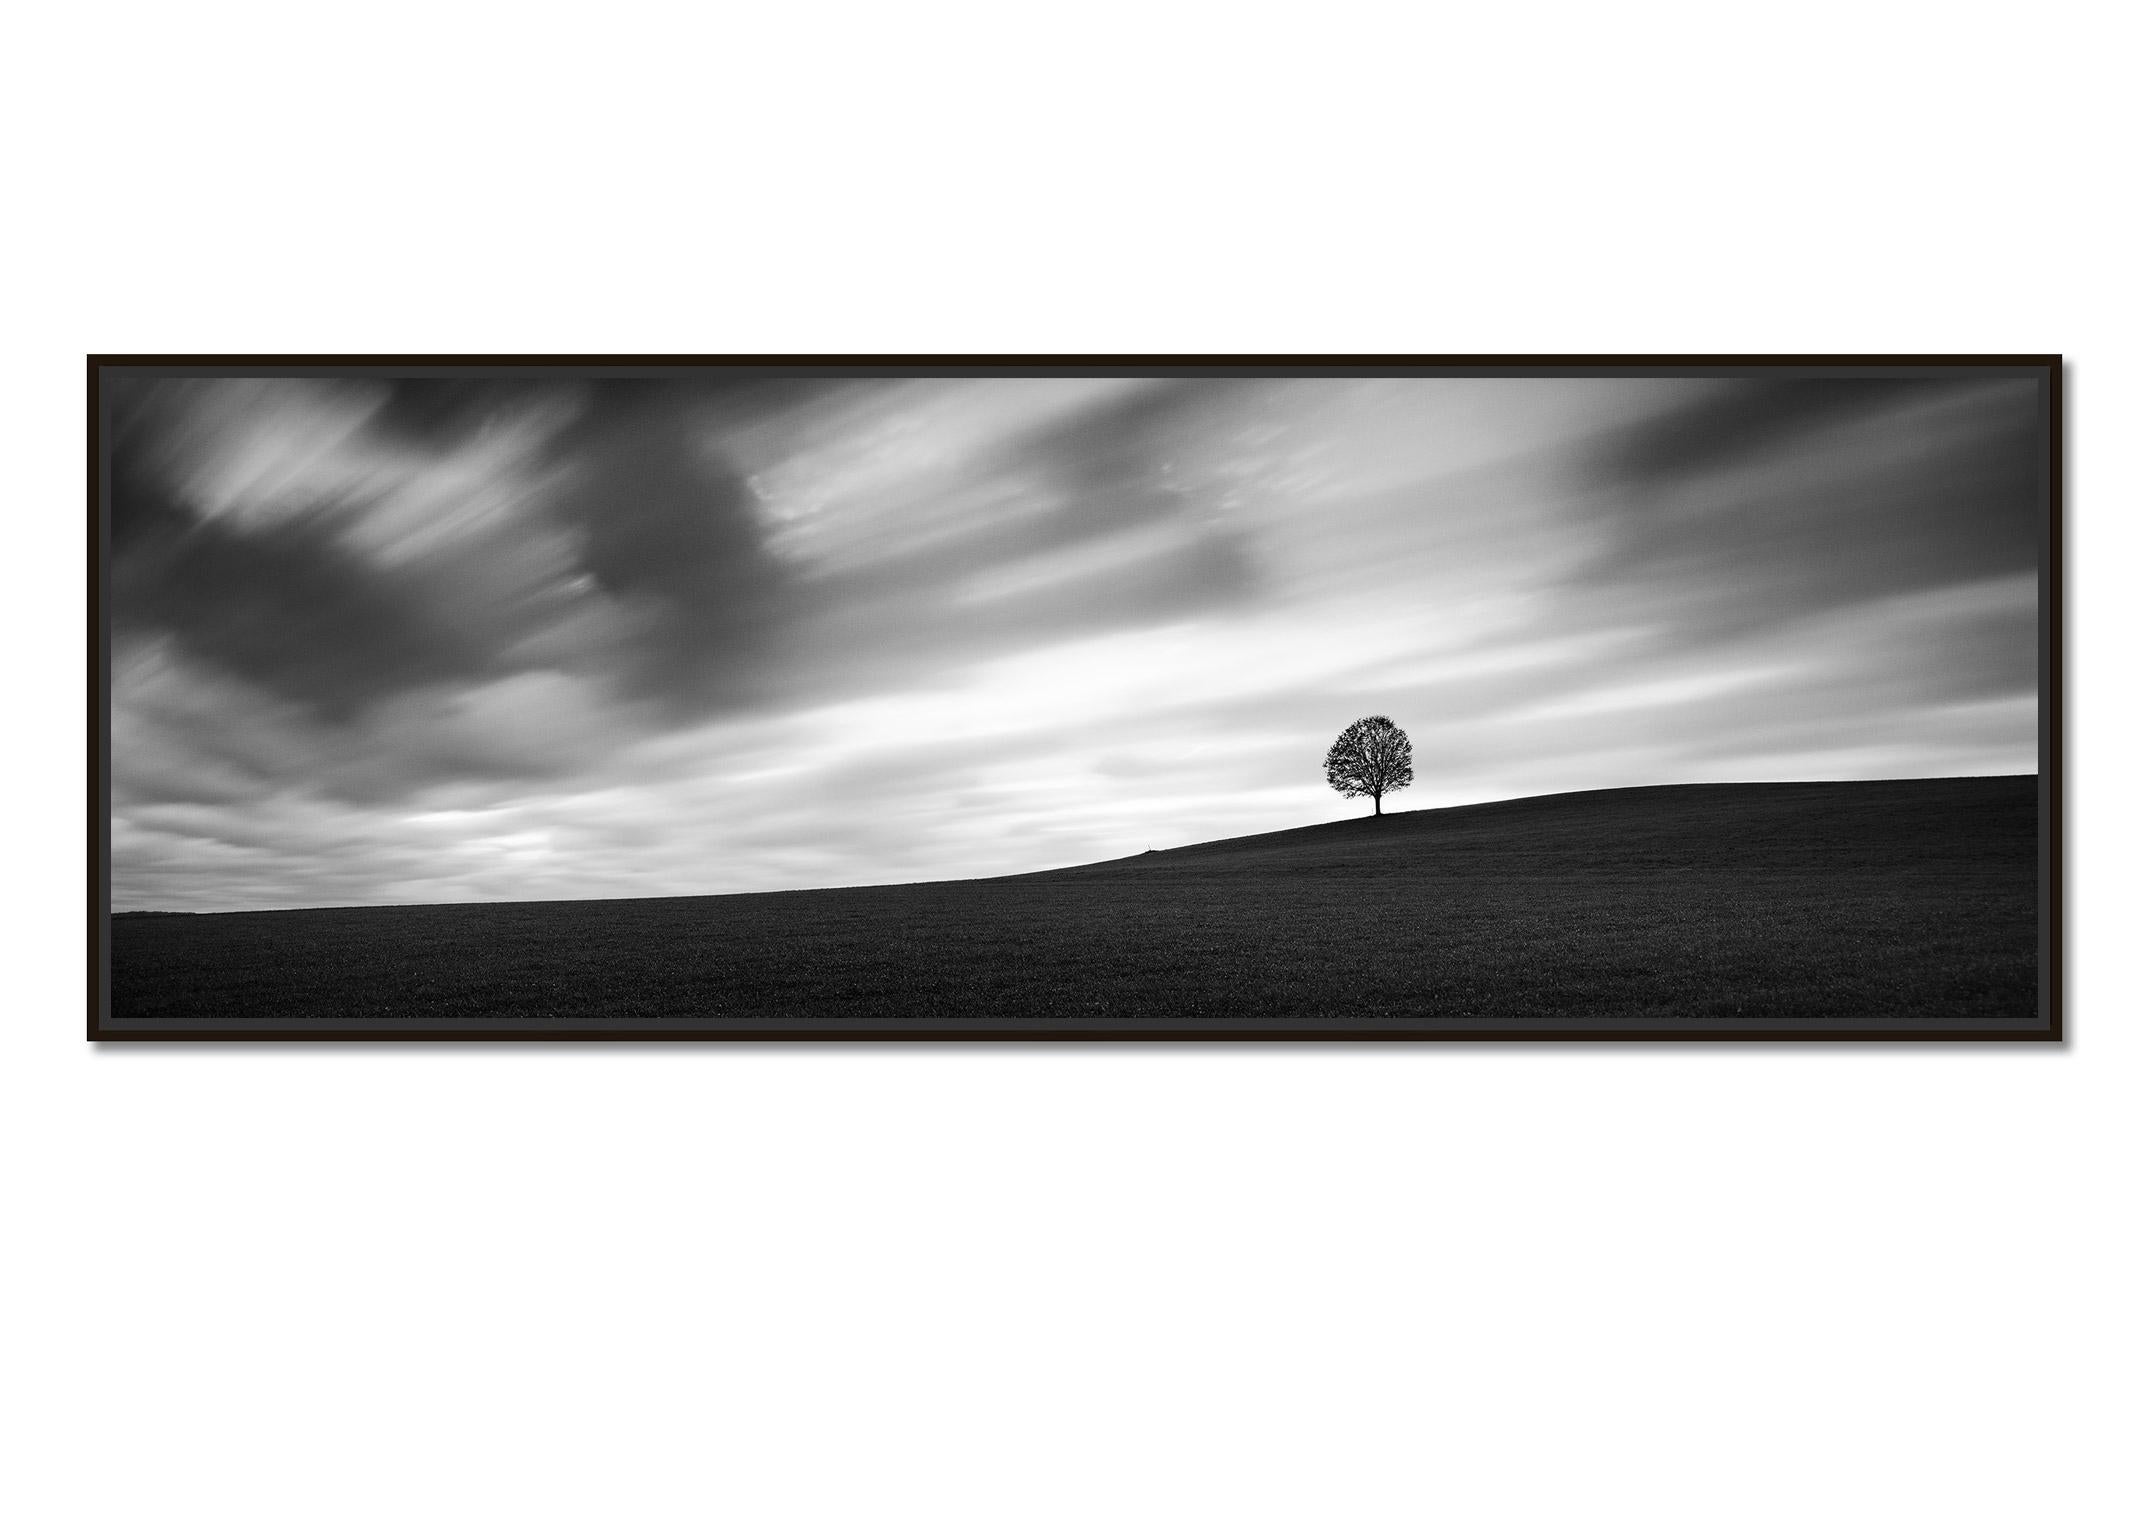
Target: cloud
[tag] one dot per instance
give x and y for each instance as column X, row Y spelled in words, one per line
column 669, row 538
column 1767, row 501
column 257, row 529
column 304, row 536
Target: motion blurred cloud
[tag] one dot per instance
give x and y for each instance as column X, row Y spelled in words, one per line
column 521, row 637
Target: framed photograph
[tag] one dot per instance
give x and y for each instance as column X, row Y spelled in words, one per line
column 1112, row 698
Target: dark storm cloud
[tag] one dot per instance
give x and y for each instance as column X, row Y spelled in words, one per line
column 654, row 551
column 285, row 606
column 663, row 526
column 1742, row 419
column 671, row 536
column 1765, row 501
column 441, row 411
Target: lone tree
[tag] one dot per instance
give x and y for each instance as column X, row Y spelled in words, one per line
column 1371, row 758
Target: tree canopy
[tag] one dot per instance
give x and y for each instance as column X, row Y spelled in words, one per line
column 1371, row 758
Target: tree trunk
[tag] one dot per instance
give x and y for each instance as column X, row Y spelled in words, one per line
column 1376, row 803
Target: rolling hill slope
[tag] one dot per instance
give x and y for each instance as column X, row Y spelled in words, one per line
column 1899, row 898
column 1836, row 824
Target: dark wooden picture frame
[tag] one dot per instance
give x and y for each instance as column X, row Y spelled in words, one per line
column 1766, row 401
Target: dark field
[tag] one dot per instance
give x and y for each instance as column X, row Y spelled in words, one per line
column 1902, row 898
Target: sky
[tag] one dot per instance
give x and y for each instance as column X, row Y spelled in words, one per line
column 388, row 640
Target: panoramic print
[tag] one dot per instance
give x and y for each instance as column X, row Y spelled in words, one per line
column 604, row 699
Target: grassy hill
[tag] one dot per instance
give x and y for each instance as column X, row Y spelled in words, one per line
column 1881, row 898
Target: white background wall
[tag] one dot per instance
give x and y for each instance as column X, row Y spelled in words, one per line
column 1023, row 1291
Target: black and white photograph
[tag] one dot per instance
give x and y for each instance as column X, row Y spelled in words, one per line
column 1065, row 697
